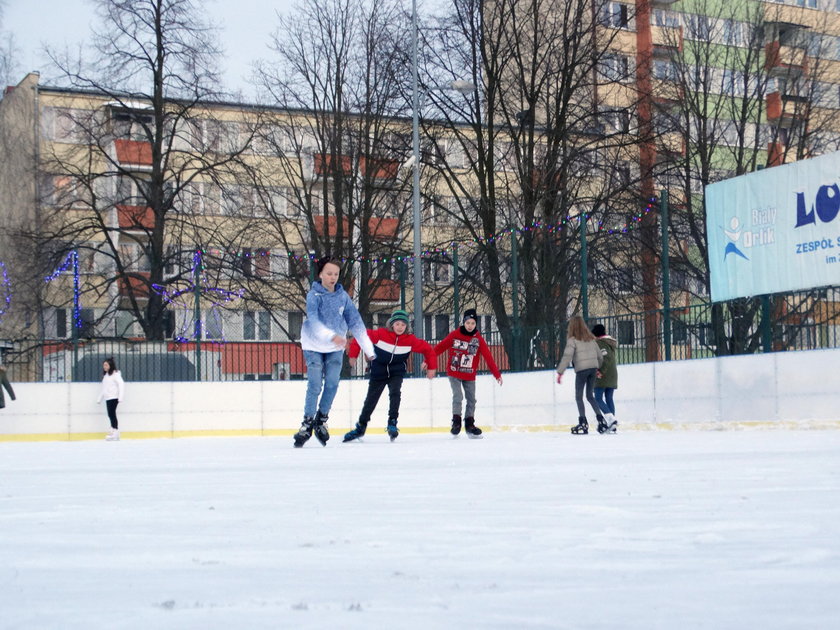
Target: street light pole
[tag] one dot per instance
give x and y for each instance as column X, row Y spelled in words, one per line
column 415, row 139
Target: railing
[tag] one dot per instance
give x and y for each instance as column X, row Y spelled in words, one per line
column 802, row 321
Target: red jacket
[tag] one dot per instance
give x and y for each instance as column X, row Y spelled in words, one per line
column 462, row 361
column 392, row 352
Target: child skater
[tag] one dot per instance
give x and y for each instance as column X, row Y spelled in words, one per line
column 607, row 382
column 465, row 344
column 582, row 350
column 329, row 313
column 393, row 345
column 113, row 388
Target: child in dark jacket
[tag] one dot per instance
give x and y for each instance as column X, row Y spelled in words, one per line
column 392, row 345
column 466, row 346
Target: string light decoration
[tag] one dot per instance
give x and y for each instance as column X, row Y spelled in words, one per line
column 218, row 297
column 72, row 260
column 5, row 291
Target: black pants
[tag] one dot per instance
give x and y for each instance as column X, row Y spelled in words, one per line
column 375, row 389
column 111, row 405
column 586, row 379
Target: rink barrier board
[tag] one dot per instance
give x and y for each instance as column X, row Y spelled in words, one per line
column 778, row 390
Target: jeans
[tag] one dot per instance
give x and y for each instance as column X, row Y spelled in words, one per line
column 607, row 406
column 375, row 389
column 323, row 369
column 457, row 396
column 586, row 378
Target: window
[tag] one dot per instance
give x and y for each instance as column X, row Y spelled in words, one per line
column 615, row 15
column 124, row 323
column 704, row 334
column 255, row 263
column 811, row 4
column 62, row 124
column 733, row 33
column 664, row 69
column 615, row 67
column 626, row 333
column 436, row 326
column 61, row 323
column 134, row 257
column 663, row 17
column 295, row 322
column 213, row 325
column 382, row 319
column 256, row 325
column 88, row 323
column 437, row 272
column 127, row 125
column 699, row 27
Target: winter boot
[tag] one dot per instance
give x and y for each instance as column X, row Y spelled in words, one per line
column 456, row 425
column 582, row 427
column 603, row 427
column 113, row 436
column 470, row 429
column 305, row 431
column 321, row 432
column 356, row 433
column 392, row 429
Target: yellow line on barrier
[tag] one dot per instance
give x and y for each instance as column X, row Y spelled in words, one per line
column 337, row 432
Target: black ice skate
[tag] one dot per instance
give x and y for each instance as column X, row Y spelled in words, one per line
column 305, row 432
column 470, row 429
column 356, row 433
column 456, row 425
column 582, row 427
column 392, row 429
column 603, row 427
column 321, row 432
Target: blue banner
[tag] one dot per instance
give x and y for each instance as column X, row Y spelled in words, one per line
column 775, row 230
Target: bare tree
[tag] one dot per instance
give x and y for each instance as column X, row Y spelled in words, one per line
column 534, row 146
column 128, row 170
column 335, row 187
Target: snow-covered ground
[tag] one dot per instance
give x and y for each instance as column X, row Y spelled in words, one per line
column 656, row 529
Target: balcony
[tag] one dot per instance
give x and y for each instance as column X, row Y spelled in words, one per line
column 133, row 153
column 785, row 108
column 136, row 285
column 379, row 169
column 671, row 143
column 785, row 60
column 667, row 40
column 135, row 218
column 384, row 290
column 378, row 228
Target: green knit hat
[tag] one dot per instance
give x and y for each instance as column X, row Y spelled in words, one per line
column 398, row 316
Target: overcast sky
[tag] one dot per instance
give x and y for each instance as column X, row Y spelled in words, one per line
column 246, row 28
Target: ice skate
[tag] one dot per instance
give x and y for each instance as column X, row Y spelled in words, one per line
column 392, row 429
column 611, row 423
column 456, row 425
column 603, row 427
column 355, row 434
column 470, row 429
column 322, row 434
column 582, row 427
column 113, row 436
column 305, row 432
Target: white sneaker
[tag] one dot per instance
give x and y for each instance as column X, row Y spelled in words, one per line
column 113, row 436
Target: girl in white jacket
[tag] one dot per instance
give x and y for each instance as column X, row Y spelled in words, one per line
column 112, row 391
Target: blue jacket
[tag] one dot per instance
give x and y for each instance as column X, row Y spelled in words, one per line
column 329, row 314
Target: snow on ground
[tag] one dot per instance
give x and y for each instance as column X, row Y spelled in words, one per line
column 728, row 529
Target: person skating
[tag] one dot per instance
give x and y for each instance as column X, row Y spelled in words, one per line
column 393, row 345
column 112, row 390
column 465, row 347
column 607, row 381
column 583, row 352
column 329, row 314
column 5, row 384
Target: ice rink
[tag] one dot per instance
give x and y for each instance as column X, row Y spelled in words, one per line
column 639, row 530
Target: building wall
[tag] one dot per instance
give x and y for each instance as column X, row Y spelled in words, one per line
column 772, row 390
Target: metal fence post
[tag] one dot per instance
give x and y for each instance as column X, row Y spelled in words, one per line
column 197, row 315
column 402, row 285
column 514, row 278
column 766, row 325
column 584, row 272
column 456, row 296
column 666, row 275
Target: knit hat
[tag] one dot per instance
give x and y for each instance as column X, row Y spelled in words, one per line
column 598, row 330
column 470, row 313
column 398, row 316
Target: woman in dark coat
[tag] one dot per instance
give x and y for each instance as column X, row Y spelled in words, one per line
column 5, row 384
